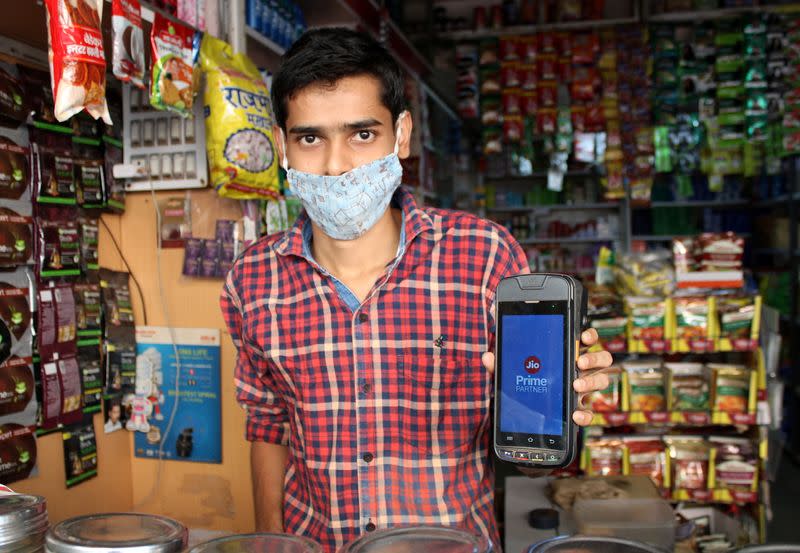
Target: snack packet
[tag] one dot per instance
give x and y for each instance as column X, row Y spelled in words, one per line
column 241, row 148
column 721, row 251
column 128, row 47
column 173, row 71
column 605, row 456
column 609, row 399
column 77, row 60
column 689, row 456
column 648, row 317
column 646, row 381
column 647, row 456
column 731, row 387
column 691, row 317
column 736, row 314
column 735, row 464
column 689, row 387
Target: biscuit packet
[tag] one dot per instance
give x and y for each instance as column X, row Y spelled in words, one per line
column 646, row 381
column 171, row 84
column 731, row 387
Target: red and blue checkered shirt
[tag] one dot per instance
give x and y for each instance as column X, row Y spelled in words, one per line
column 385, row 407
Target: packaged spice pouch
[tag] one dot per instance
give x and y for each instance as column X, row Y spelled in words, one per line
column 56, row 328
column 120, row 368
column 13, row 108
column 735, row 463
column 53, row 169
column 80, row 453
column 647, row 456
column 736, row 314
column 689, row 456
column 16, row 237
column 609, row 399
column 689, row 387
column 721, row 251
column 17, row 452
column 647, row 317
column 89, row 233
column 61, row 391
column 128, row 48
column 691, row 317
column 88, row 310
column 646, row 382
column 16, row 313
column 173, row 66
column 115, row 189
column 77, row 60
column 90, row 183
column 17, row 391
column 731, row 387
column 239, row 122
column 604, row 456
column 59, row 242
column 91, row 366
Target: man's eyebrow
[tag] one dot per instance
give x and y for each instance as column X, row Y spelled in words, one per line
column 352, row 126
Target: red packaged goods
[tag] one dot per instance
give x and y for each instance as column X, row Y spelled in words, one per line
column 128, row 48
column 721, row 252
column 547, row 43
column 647, row 456
column 546, row 120
column 548, row 94
column 509, row 75
column 512, row 102
column 548, row 67
column 527, row 48
column 690, row 457
column 529, row 104
column 173, row 72
column 77, row 60
column 509, row 49
column 605, row 456
column 513, row 129
column 585, row 47
column 527, row 76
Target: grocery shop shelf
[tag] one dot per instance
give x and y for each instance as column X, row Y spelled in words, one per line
column 588, row 240
column 469, row 34
column 720, row 13
column 265, row 42
column 782, row 200
column 669, row 237
column 695, row 203
column 589, row 172
column 553, row 207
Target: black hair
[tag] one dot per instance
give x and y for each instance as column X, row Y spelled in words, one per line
column 325, row 56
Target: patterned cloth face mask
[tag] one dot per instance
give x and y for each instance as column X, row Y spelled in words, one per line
column 346, row 206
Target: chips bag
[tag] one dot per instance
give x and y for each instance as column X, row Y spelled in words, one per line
column 77, row 60
column 605, row 456
column 689, row 388
column 128, row 48
column 731, row 387
column 646, row 381
column 647, row 456
column 241, row 148
column 690, row 457
column 173, row 70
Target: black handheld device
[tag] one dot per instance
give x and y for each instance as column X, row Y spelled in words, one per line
column 539, row 321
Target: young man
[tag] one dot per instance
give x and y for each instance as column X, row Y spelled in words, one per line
column 363, row 331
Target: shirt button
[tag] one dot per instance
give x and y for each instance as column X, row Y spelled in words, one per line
column 366, row 388
column 368, row 457
column 362, row 317
column 370, row 527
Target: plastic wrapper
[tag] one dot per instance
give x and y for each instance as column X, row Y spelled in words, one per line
column 80, row 453
column 689, row 387
column 241, row 148
column 172, row 80
column 89, row 233
column 91, row 366
column 689, row 462
column 604, row 456
column 77, row 60
column 90, row 189
column 645, row 274
column 128, row 42
column 88, row 310
column 721, row 251
column 609, row 399
column 57, row 325
column 683, row 252
column 647, row 317
column 647, row 456
column 646, row 382
column 731, row 387
column 53, row 169
column 691, row 317
column 736, row 314
column 59, row 250
column 735, row 463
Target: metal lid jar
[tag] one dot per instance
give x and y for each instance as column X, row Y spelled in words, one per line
column 412, row 539
column 23, row 523
column 259, row 543
column 117, row 533
column 593, row 544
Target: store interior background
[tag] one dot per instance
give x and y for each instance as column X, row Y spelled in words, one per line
column 218, row 497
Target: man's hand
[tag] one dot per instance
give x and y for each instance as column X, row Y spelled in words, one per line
column 585, row 384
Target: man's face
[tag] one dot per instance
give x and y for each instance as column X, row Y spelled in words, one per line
column 332, row 130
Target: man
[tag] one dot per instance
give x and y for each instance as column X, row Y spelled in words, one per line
column 363, row 331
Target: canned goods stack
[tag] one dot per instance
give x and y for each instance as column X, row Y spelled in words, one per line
column 23, row 523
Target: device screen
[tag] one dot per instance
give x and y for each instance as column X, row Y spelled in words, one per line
column 531, row 354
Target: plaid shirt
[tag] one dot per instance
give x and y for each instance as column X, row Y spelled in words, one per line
column 384, row 408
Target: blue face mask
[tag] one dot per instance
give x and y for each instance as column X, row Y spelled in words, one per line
column 346, row 206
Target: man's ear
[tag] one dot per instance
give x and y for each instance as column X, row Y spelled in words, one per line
column 406, row 127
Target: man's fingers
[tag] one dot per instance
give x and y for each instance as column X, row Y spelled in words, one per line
column 582, row 418
column 591, row 383
column 488, row 361
column 589, row 337
column 597, row 360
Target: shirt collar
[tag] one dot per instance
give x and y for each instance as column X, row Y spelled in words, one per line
column 296, row 241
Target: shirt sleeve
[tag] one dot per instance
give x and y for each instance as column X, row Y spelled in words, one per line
column 267, row 418
column 509, row 260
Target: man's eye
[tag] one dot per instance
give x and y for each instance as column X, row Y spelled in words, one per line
column 365, row 135
column 309, row 139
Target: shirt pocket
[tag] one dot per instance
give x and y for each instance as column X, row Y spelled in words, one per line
column 444, row 402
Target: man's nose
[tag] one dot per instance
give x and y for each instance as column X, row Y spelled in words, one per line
column 339, row 161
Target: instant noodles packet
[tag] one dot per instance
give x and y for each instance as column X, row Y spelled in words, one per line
column 241, row 148
column 77, row 60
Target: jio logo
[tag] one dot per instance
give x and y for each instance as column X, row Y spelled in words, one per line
column 532, row 365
